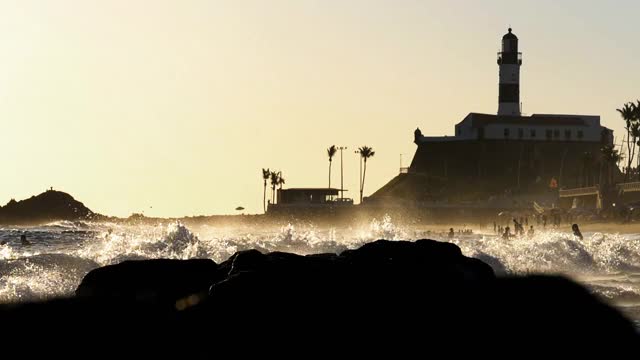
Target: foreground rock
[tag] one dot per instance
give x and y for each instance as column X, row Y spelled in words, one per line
column 385, row 296
column 159, row 281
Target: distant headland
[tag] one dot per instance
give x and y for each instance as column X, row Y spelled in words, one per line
column 53, row 205
column 48, row 206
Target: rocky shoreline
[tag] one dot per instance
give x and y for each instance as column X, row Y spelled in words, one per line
column 392, row 295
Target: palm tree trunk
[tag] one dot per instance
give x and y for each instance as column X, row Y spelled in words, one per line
column 612, row 172
column 364, row 174
column 633, row 153
column 273, row 194
column 626, row 173
column 638, row 167
column 329, row 173
column 264, row 196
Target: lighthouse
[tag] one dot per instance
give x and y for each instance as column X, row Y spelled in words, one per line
column 509, row 61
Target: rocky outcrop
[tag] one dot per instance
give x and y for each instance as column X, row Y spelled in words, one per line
column 161, row 281
column 380, row 271
column 398, row 297
column 49, row 206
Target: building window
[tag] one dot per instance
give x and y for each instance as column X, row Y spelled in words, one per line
column 556, row 133
column 580, row 134
column 549, row 133
column 520, row 133
column 533, row 133
column 506, row 132
column 567, row 134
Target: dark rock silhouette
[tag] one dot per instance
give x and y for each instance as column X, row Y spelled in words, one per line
column 49, row 206
column 162, row 281
column 390, row 297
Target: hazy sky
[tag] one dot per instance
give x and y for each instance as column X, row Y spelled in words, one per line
column 173, row 107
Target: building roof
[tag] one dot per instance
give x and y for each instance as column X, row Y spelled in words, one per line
column 324, row 190
column 480, row 120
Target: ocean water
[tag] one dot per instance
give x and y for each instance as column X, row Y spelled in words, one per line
column 63, row 252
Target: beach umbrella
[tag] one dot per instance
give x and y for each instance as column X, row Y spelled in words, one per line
column 239, row 208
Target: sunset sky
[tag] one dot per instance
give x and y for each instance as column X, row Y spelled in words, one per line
column 173, row 107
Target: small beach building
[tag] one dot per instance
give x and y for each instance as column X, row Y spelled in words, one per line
column 306, row 196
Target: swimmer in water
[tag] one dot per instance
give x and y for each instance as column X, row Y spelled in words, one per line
column 24, row 241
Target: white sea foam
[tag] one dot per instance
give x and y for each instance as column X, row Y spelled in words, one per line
column 63, row 252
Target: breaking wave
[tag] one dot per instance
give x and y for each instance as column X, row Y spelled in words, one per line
column 558, row 252
column 63, row 252
column 41, row 276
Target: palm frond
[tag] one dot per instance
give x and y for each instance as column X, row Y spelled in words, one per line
column 331, row 151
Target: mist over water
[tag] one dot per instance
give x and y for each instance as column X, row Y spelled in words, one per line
column 63, row 252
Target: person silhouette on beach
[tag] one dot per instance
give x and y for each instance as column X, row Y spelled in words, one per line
column 517, row 227
column 576, row 231
column 507, row 233
column 451, row 233
column 530, row 232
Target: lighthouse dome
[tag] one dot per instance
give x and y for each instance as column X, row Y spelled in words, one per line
column 510, row 36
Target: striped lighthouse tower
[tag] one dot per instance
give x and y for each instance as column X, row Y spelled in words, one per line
column 509, row 60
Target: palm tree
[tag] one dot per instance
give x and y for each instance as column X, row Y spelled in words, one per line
column 280, row 179
column 611, row 157
column 331, row 151
column 635, row 136
column 628, row 112
column 274, row 181
column 365, row 153
column 616, row 158
column 265, row 176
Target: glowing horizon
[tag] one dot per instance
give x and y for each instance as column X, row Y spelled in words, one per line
column 172, row 108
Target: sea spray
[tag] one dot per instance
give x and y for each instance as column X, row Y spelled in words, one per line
column 63, row 252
